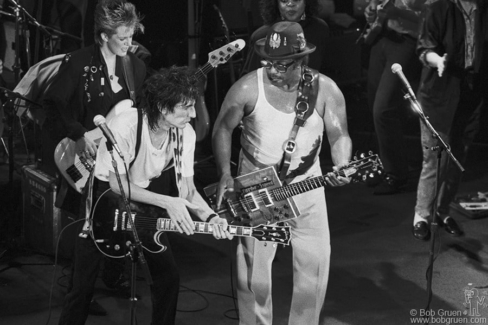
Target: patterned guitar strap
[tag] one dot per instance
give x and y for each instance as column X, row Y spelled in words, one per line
column 177, row 140
column 306, row 100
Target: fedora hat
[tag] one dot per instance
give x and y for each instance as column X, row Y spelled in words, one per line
column 284, row 40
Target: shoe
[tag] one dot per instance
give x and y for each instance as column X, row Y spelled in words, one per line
column 96, row 309
column 421, row 230
column 390, row 185
column 451, row 226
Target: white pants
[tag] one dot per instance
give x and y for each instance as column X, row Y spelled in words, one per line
column 311, row 261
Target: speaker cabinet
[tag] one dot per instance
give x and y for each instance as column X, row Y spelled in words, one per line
column 43, row 222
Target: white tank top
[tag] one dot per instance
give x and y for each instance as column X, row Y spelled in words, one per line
column 266, row 129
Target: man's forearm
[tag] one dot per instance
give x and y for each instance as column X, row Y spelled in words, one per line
column 222, row 146
column 341, row 151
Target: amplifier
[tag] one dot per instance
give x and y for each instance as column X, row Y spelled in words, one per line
column 42, row 221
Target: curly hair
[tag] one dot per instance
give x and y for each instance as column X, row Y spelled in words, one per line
column 165, row 89
column 271, row 13
column 111, row 14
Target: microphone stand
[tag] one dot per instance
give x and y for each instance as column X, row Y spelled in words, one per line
column 10, row 118
column 46, row 30
column 442, row 146
column 16, row 66
column 135, row 248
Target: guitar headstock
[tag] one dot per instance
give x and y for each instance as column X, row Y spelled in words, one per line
column 223, row 54
column 272, row 233
column 366, row 167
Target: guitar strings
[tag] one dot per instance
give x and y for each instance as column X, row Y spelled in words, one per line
column 149, row 222
column 290, row 190
column 80, row 165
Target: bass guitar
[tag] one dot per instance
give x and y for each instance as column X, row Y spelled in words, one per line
column 111, row 229
column 259, row 197
column 373, row 30
column 76, row 170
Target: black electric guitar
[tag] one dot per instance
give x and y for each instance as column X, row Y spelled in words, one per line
column 111, row 229
column 76, row 170
column 259, row 197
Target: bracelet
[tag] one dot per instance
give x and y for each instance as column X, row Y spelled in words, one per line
column 210, row 217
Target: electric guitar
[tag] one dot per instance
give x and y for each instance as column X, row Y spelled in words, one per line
column 111, row 229
column 76, row 170
column 259, row 197
column 373, row 30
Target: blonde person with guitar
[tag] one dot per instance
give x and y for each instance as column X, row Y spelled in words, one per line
column 392, row 38
column 264, row 101
column 89, row 82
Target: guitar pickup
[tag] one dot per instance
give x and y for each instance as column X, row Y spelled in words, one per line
column 264, row 195
column 116, row 220
column 249, row 203
column 121, row 222
column 74, row 173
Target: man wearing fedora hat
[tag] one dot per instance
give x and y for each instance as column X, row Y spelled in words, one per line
column 263, row 102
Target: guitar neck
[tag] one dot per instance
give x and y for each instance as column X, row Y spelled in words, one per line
column 165, row 224
column 203, row 71
column 306, row 185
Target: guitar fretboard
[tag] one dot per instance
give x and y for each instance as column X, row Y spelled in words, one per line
column 165, row 224
column 306, row 185
column 287, row 191
column 202, row 72
column 309, row 184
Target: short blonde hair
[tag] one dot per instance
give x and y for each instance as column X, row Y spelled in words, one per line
column 111, row 14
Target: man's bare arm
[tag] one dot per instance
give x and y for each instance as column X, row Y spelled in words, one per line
column 335, row 120
column 238, row 102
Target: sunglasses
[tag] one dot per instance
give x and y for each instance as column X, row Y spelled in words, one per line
column 282, row 68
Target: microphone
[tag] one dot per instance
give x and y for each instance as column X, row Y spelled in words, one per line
column 99, row 121
column 397, row 69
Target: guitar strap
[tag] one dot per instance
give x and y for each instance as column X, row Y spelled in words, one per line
column 139, row 133
column 306, row 100
column 129, row 77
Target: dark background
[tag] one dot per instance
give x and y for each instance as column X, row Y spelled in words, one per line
column 166, row 37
